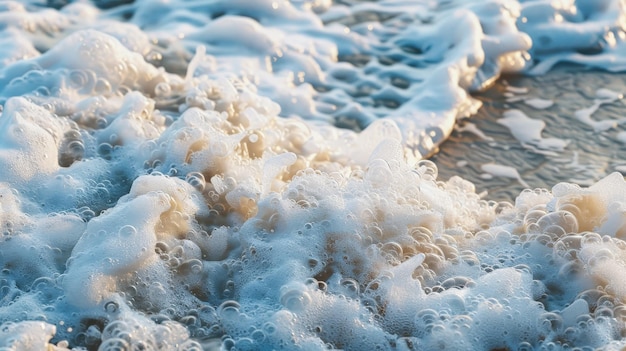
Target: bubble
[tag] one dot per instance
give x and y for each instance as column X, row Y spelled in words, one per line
column 141, row 345
column 563, row 220
column 228, row 344
column 608, row 301
column 427, row 316
column 115, row 329
column 590, row 239
column 76, row 148
column 101, row 122
column 190, row 345
column 350, row 287
column 162, row 89
column 427, row 170
column 531, row 218
column 229, row 309
column 568, row 246
column 111, row 307
column 551, row 321
column 78, row 79
column 114, row 344
column 603, row 311
column 525, row 346
column 196, row 179
column 253, row 138
column 601, row 256
column 370, row 304
column 619, row 312
column 173, row 171
column 378, row 172
column 295, row 299
column 245, row 344
column 42, row 91
column 312, row 262
column 192, row 266
column 127, row 231
column 105, row 150
column 6, row 327
column 259, row 336
column 457, row 282
column 102, row 87
column 543, row 239
column 394, row 249
column 269, row 328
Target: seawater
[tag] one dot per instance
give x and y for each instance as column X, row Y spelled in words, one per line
column 252, row 175
column 562, row 94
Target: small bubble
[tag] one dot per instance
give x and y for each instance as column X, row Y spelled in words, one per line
column 114, row 330
column 196, row 179
column 76, row 147
column 127, row 231
column 253, row 138
column 114, row 344
column 111, row 307
column 102, row 87
column 78, row 78
column 228, row 344
column 190, row 345
column 258, row 336
column 427, row 170
column 270, row 328
column 162, row 89
column 229, row 309
column 101, row 123
column 350, row 287
column 105, row 149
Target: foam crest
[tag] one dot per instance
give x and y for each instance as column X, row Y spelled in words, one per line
column 30, row 140
column 172, row 176
column 27, row 336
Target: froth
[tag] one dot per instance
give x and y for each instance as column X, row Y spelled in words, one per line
column 177, row 180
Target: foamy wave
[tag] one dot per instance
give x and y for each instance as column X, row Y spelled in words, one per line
column 173, row 177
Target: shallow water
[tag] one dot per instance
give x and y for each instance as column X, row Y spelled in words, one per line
column 589, row 156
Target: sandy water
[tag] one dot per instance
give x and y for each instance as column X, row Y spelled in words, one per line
column 589, row 156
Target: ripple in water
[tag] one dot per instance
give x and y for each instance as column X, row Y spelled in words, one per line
column 588, row 156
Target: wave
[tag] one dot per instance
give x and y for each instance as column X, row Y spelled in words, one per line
column 252, row 175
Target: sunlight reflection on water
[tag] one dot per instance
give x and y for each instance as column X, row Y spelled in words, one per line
column 588, row 157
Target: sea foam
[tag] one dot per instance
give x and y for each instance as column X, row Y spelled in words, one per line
column 251, row 175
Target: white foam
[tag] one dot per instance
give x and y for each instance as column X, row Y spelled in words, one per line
column 170, row 177
column 528, row 131
column 503, row 171
column 604, row 96
column 516, row 90
column 584, row 116
column 472, row 128
column 539, row 104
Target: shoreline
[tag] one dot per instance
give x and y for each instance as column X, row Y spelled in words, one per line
column 589, row 156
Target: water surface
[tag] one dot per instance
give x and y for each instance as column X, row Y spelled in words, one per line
column 589, row 156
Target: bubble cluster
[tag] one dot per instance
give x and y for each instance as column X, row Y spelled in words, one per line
column 172, row 177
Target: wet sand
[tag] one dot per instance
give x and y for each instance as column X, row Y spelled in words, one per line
column 589, row 156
